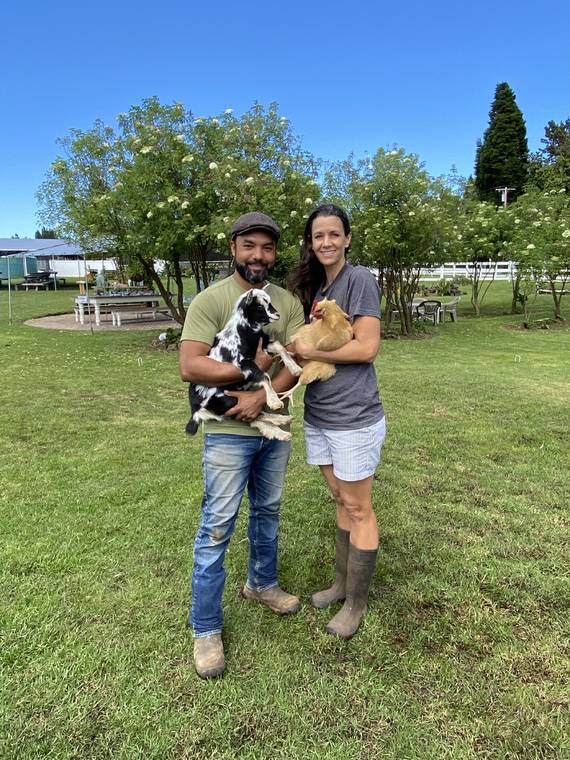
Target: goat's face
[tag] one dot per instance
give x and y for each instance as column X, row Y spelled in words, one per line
column 257, row 308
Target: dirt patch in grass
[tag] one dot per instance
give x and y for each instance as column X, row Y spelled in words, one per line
column 67, row 322
column 539, row 324
column 392, row 334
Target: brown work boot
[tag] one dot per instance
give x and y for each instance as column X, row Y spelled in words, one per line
column 337, row 592
column 275, row 598
column 359, row 574
column 209, row 656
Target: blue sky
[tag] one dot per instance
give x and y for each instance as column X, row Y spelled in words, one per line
column 350, row 76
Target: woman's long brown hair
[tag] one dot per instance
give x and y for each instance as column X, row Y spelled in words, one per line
column 309, row 274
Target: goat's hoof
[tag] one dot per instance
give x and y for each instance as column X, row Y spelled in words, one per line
column 296, row 370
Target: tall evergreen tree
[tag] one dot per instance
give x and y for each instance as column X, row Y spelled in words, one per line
column 502, row 157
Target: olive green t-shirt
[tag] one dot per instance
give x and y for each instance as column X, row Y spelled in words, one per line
column 210, row 311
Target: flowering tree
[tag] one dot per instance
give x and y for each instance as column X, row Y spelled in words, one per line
column 541, row 241
column 478, row 237
column 166, row 186
column 401, row 220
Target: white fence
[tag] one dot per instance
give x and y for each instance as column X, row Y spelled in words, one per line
column 71, row 267
column 498, row 270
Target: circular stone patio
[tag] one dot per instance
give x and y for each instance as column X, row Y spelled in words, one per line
column 67, row 322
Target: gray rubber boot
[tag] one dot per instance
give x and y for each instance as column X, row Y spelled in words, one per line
column 337, row 592
column 360, row 571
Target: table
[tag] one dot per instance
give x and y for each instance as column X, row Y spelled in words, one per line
column 37, row 280
column 415, row 303
column 83, row 303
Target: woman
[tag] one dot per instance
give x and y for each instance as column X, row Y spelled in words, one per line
column 344, row 418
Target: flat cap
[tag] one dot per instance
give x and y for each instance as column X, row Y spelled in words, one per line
column 255, row 220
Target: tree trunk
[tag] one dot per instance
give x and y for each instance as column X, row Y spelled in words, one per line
column 401, row 284
column 404, row 296
column 475, row 290
column 557, row 298
column 204, row 272
column 516, row 284
column 196, row 273
column 154, row 277
column 390, row 295
column 179, row 287
column 386, row 294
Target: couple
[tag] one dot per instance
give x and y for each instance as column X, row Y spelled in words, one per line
column 344, row 427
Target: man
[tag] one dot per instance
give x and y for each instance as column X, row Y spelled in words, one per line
column 235, row 455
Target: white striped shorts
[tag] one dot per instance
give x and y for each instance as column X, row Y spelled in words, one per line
column 354, row 454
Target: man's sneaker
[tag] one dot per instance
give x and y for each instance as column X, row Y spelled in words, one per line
column 209, row 656
column 275, row 598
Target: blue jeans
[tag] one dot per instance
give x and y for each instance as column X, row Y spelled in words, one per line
column 230, row 463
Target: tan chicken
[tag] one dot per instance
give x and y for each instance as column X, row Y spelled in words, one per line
column 329, row 331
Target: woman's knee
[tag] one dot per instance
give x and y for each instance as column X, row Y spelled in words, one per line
column 357, row 511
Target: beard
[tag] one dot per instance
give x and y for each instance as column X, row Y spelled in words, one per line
column 254, row 278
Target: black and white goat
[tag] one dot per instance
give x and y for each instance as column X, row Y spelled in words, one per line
column 237, row 344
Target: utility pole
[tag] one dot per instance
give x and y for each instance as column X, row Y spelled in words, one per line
column 504, row 193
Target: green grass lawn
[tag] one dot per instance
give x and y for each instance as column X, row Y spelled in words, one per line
column 465, row 650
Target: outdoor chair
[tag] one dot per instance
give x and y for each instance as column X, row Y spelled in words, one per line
column 450, row 308
column 394, row 313
column 428, row 311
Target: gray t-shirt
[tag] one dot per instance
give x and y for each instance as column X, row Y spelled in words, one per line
column 350, row 399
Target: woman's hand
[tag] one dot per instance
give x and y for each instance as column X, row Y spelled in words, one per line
column 362, row 349
column 301, row 349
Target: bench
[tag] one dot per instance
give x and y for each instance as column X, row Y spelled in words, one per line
column 88, row 307
column 29, row 284
column 130, row 311
column 38, row 280
column 544, row 291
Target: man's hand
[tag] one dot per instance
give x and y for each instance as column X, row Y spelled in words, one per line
column 262, row 358
column 249, row 405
